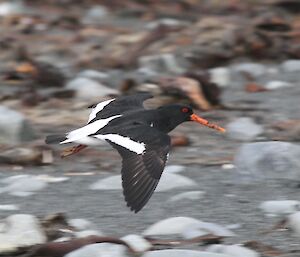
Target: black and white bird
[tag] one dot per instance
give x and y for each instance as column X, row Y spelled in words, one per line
column 138, row 134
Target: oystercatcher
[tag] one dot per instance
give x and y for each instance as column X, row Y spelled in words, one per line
column 138, row 134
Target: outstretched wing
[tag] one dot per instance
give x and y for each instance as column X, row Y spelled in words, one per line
column 141, row 171
column 118, row 106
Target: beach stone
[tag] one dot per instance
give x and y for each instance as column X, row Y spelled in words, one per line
column 99, row 250
column 174, row 168
column 274, row 208
column 14, row 128
column 253, row 69
column 89, row 232
column 11, row 8
column 115, row 183
column 22, row 185
column 233, row 250
column 291, row 66
column 137, row 243
column 243, row 129
column 182, row 253
column 220, row 76
column 265, row 160
column 171, row 226
column 88, row 89
column 168, row 22
column 93, row 74
column 8, row 207
column 204, row 228
column 20, row 230
column 191, row 195
column 95, row 14
column 294, row 222
column 80, row 224
column 277, row 84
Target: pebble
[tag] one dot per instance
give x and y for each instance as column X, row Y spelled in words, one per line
column 233, row 250
column 220, row 76
column 95, row 14
column 88, row 89
column 277, row 84
column 253, row 69
column 99, row 250
column 294, row 222
column 174, row 168
column 11, row 8
column 183, row 253
column 80, row 224
column 137, row 243
column 20, row 230
column 22, row 185
column 264, row 160
column 93, row 74
column 14, row 127
column 89, row 232
column 168, row 22
column 243, row 129
column 204, row 228
column 191, row 195
column 115, row 183
column 171, row 226
column 274, row 208
column 291, row 66
column 8, row 207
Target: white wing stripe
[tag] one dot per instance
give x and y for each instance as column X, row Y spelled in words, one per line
column 128, row 143
column 99, row 107
column 88, row 129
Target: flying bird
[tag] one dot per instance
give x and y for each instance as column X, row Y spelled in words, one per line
column 138, row 134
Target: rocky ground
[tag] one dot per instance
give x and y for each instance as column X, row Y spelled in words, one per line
column 235, row 62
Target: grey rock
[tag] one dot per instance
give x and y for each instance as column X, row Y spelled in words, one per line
column 8, row 207
column 161, row 63
column 99, row 250
column 95, row 14
column 233, row 250
column 243, row 129
column 182, row 253
column 291, row 66
column 191, row 195
column 254, row 69
column 221, row 76
column 280, row 207
column 14, row 128
column 80, row 224
column 174, row 168
column 137, row 243
column 20, row 230
column 11, row 8
column 265, row 160
column 90, row 232
column 93, row 74
column 88, row 89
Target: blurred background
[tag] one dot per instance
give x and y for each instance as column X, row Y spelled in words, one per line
column 237, row 62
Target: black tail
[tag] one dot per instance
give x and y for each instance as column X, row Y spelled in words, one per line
column 55, row 139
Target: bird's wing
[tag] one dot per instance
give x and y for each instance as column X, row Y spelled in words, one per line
column 141, row 172
column 117, row 106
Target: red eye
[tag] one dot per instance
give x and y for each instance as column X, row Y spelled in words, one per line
column 185, row 109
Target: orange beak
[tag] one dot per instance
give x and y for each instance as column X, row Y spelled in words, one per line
column 204, row 122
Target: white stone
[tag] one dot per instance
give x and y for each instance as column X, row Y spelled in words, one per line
column 93, row 74
column 191, row 195
column 20, row 230
column 22, row 185
column 174, row 168
column 14, row 128
column 80, row 224
column 233, row 250
column 244, row 129
column 265, row 160
column 294, row 222
column 171, row 226
column 137, row 243
column 204, row 228
column 281, row 207
column 115, row 183
column 277, row 84
column 89, row 89
column 220, row 76
column 291, row 66
column 182, row 253
column 8, row 207
column 89, row 232
column 51, row 179
column 11, row 8
column 95, row 14
column 166, row 22
column 99, row 250
column 254, row 69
